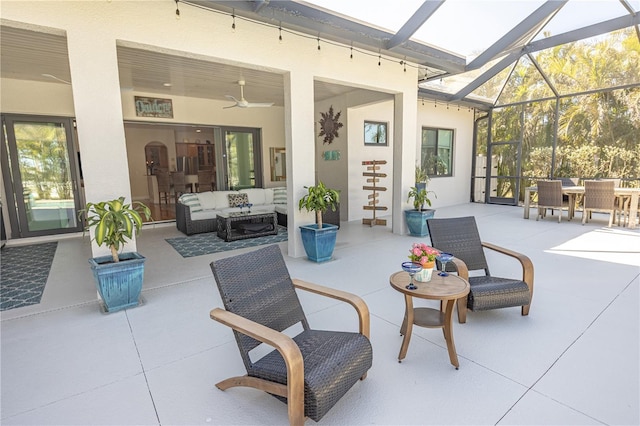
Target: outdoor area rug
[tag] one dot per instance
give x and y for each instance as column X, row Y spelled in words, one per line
column 23, row 274
column 200, row 244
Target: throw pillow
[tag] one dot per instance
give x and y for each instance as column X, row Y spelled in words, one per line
column 192, row 201
column 236, row 200
column 280, row 195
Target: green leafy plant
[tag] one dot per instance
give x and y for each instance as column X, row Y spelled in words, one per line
column 421, row 175
column 420, row 197
column 114, row 222
column 319, row 199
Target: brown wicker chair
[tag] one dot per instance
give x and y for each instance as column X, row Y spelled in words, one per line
column 310, row 371
column 164, row 185
column 180, row 185
column 550, row 197
column 459, row 236
column 599, row 196
column 205, row 181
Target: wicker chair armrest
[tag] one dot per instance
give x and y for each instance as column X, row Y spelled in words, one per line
column 356, row 301
column 283, row 344
column 527, row 265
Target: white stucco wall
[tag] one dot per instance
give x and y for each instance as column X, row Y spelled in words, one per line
column 455, row 189
column 358, row 152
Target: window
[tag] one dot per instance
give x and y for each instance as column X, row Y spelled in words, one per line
column 437, row 151
column 375, row 133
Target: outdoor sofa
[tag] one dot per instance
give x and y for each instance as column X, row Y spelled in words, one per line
column 197, row 212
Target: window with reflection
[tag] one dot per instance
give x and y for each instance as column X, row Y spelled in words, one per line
column 437, row 151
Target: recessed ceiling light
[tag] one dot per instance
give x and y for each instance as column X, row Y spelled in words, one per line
column 167, row 84
column 198, row 130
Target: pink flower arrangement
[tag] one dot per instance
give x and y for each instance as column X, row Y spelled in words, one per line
column 422, row 253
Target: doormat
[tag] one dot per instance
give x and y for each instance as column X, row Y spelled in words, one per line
column 207, row 243
column 24, row 274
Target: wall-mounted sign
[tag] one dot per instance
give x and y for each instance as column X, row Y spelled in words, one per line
column 153, row 107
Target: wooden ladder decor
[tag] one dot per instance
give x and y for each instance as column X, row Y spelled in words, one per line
column 373, row 178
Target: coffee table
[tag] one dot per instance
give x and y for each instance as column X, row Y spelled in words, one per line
column 230, row 225
column 445, row 289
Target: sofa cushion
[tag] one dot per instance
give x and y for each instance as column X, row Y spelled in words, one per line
column 207, row 200
column 280, row 208
column 237, row 200
column 192, row 201
column 222, row 198
column 205, row 215
column 268, row 195
column 255, row 195
column 280, row 195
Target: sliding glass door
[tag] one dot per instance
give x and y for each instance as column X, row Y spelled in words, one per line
column 243, row 167
column 40, row 175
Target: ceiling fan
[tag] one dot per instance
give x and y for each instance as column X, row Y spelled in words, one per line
column 243, row 103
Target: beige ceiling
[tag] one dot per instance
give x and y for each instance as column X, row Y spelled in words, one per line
column 38, row 56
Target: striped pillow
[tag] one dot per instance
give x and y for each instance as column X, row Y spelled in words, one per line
column 192, row 201
column 280, row 195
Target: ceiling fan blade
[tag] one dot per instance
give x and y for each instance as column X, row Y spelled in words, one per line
column 232, row 106
column 259, row 104
column 231, row 97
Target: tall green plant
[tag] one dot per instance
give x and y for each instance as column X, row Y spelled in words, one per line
column 114, row 222
column 420, row 197
column 319, row 199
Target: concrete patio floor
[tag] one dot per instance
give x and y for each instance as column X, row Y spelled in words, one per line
column 573, row 360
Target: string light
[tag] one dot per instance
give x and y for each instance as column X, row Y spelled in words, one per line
column 435, row 105
column 280, row 30
column 422, row 101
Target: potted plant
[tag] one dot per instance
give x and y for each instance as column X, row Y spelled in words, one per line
column 417, row 217
column 421, row 178
column 118, row 276
column 319, row 239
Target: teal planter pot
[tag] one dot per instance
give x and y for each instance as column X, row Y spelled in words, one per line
column 119, row 284
column 417, row 221
column 319, row 243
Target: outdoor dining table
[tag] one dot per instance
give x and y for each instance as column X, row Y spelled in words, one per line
column 573, row 191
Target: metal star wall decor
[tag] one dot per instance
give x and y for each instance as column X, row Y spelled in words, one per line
column 330, row 125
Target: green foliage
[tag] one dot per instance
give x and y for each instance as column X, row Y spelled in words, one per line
column 421, row 175
column 420, row 197
column 114, row 222
column 319, row 199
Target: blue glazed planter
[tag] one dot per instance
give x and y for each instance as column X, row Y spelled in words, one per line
column 119, row 284
column 417, row 221
column 319, row 243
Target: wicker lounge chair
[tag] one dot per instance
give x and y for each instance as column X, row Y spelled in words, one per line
column 460, row 237
column 550, row 197
column 311, row 371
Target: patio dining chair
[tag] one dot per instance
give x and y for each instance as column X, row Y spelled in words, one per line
column 550, row 197
column 599, row 196
column 311, row 371
column 460, row 237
